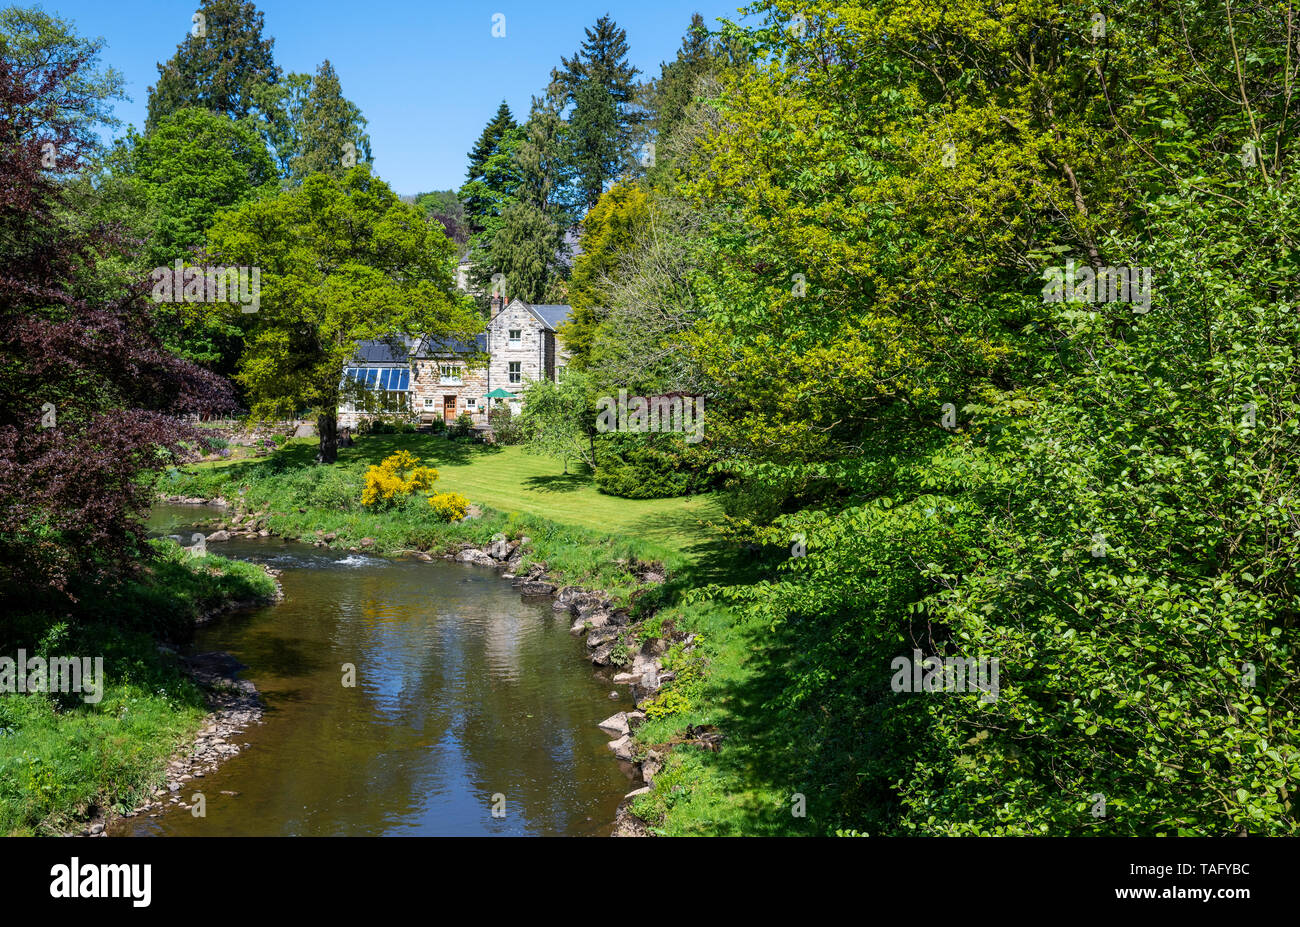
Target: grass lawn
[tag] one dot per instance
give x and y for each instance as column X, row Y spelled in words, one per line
column 510, row 480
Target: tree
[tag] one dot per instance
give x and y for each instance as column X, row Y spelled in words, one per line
column 88, row 398
column 192, row 166
column 525, row 249
column 559, row 419
column 445, row 207
column 601, row 85
column 224, row 69
column 329, row 133
column 38, row 45
column 609, row 233
column 342, row 260
column 493, row 176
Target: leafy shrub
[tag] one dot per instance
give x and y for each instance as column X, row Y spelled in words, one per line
column 398, row 476
column 650, row 466
column 438, row 425
column 449, row 506
column 506, row 429
column 463, row 426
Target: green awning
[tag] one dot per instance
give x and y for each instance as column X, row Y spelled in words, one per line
column 499, row 393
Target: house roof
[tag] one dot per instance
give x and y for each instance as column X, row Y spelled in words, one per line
column 383, row 351
column 430, row 345
column 552, row 316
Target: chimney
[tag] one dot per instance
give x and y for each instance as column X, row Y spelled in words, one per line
column 497, row 304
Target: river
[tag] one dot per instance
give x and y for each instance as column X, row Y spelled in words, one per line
column 464, row 691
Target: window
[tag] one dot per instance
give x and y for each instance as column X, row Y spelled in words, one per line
column 515, row 375
column 375, row 389
column 516, row 335
column 428, row 403
column 449, row 374
column 559, row 373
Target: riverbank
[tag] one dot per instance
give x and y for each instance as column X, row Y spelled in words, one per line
column 67, row 764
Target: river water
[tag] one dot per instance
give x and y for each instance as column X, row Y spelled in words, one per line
column 464, row 691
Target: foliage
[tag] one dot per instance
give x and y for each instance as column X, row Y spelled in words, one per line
column 449, row 506
column 85, row 386
column 225, row 70
column 506, row 429
column 650, row 466
column 395, row 478
column 560, row 420
column 342, row 261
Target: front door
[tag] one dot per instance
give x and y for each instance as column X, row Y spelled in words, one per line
column 449, row 409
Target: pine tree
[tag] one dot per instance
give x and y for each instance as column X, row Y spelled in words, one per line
column 493, row 177
column 221, row 70
column 675, row 88
column 601, row 84
column 331, row 135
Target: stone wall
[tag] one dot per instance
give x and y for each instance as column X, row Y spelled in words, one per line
column 528, row 353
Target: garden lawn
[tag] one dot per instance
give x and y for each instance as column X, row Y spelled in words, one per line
column 510, row 480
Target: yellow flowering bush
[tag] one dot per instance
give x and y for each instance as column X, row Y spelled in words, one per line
column 449, row 506
column 396, row 477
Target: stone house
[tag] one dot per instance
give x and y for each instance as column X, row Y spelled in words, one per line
column 422, row 379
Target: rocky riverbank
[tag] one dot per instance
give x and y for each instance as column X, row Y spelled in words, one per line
column 615, row 644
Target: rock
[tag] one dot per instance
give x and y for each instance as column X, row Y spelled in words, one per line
column 578, row 627
column 596, row 619
column 602, row 636
column 644, row 790
column 305, row 430
column 651, row 766
column 635, row 719
column 602, row 655
column 219, row 536
column 622, row 747
column 652, row 578
column 367, row 542
column 627, row 824
column 474, row 555
column 613, row 694
column 625, row 679
column 567, row 596
column 499, row 550
column 263, row 533
column 96, row 829
column 329, row 536
column 533, row 587
column 525, row 541
column 615, row 724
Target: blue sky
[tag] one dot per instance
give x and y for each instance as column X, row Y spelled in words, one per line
column 427, row 75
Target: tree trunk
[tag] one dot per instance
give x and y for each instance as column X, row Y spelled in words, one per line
column 327, row 425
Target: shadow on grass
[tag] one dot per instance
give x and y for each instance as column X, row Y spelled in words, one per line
column 561, row 482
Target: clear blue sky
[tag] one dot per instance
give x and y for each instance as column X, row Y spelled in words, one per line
column 427, row 75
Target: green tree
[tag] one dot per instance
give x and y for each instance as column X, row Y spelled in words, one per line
column 609, row 232
column 493, row 175
column 559, row 419
column 525, row 249
column 342, row 260
column 329, row 134
column 601, row 85
column 225, row 69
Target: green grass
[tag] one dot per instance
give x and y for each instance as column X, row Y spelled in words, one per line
column 63, row 759
column 508, row 480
